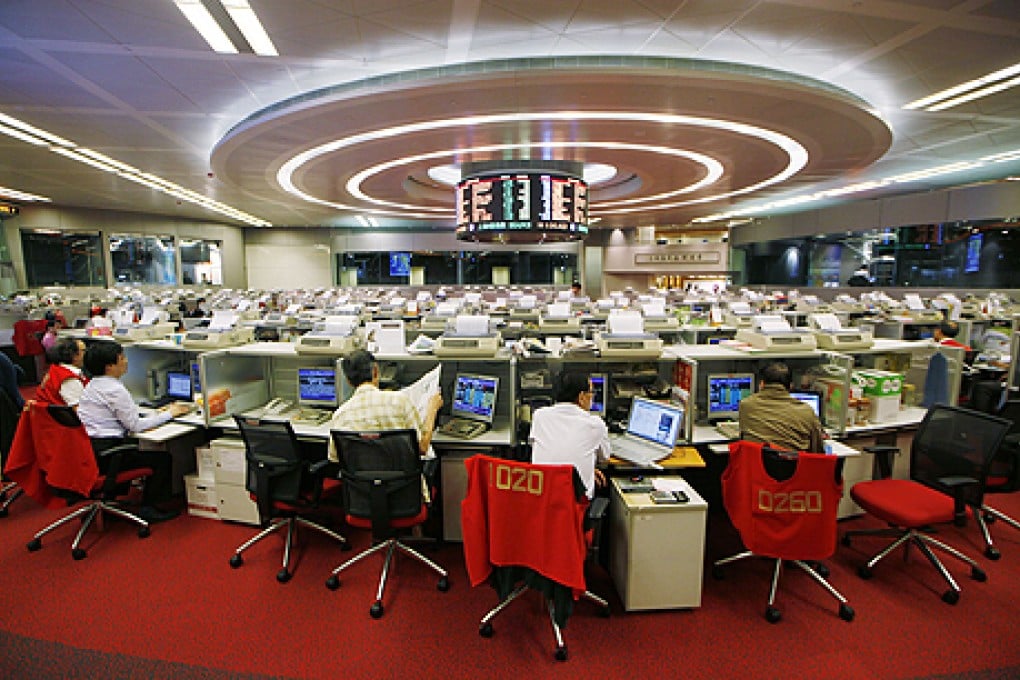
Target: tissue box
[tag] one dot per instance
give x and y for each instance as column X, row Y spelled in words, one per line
column 884, row 408
column 880, row 383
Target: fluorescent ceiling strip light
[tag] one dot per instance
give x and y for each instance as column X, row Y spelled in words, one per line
column 1001, row 74
column 206, row 26
column 22, row 195
column 250, row 26
column 32, row 130
column 102, row 158
column 23, row 136
column 977, row 94
column 362, row 220
column 1003, row 157
column 75, row 156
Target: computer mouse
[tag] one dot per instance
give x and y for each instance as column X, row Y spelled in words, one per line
column 637, row 478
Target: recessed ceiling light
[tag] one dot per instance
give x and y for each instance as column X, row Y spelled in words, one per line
column 930, row 102
column 250, row 26
column 206, row 26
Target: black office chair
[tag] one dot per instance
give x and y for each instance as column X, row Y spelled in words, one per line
column 382, row 491
column 276, row 478
column 949, row 461
column 68, row 440
column 784, row 506
column 1003, row 475
column 9, row 415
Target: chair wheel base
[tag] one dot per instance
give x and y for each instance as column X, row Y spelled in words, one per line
column 144, row 532
column 846, row 612
column 992, row 553
column 717, row 573
column 485, row 630
column 773, row 615
column 346, row 546
column 33, row 545
column 236, row 561
column 561, row 653
column 333, row 582
column 864, row 572
column 820, row 569
column 3, row 511
column 950, row 597
column 443, row 585
column 605, row 612
column 978, row 575
column 377, row 610
column 989, row 519
column 79, row 554
column 283, row 576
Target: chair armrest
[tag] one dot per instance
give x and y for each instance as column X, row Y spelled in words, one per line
column 597, row 508
column 319, row 470
column 957, row 481
column 113, row 455
column 884, row 457
column 429, row 467
column 890, row 450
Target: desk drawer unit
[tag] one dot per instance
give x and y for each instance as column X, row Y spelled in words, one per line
column 657, row 551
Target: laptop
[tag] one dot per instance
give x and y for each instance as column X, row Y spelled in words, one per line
column 474, row 406
column 652, row 431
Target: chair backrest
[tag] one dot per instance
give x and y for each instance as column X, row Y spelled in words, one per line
column 9, row 415
column 275, row 467
column 783, row 504
column 64, row 415
column 381, row 473
column 953, row 450
column 527, row 515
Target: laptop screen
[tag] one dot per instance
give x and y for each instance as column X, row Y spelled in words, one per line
column 474, row 397
column 654, row 421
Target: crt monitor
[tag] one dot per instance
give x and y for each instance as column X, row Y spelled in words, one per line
column 725, row 390
column 317, row 387
column 598, row 394
column 178, row 385
column 474, row 397
column 812, row 399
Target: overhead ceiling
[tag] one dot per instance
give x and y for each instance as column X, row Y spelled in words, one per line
column 706, row 108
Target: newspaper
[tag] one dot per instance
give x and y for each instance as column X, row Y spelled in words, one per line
column 420, row 392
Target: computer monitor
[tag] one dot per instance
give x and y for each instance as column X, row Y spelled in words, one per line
column 178, row 385
column 598, row 397
column 812, row 399
column 725, row 390
column 474, row 397
column 317, row 386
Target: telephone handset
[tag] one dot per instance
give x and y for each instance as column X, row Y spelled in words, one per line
column 276, row 406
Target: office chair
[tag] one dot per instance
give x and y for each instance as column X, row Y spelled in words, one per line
column 784, row 506
column 524, row 527
column 1003, row 476
column 382, row 491
column 9, row 415
column 949, row 461
column 53, row 461
column 275, row 479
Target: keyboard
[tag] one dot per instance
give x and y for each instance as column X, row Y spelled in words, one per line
column 312, row 416
column 462, row 429
column 728, row 428
column 638, row 453
column 158, row 402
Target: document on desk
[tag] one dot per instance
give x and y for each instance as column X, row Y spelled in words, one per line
column 421, row 391
column 669, row 484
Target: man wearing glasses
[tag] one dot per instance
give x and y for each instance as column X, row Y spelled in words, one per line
column 567, row 433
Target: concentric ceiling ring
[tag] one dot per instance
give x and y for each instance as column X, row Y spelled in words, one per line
column 694, row 136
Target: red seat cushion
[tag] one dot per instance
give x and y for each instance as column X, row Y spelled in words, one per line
column 122, row 478
column 903, row 503
column 397, row 523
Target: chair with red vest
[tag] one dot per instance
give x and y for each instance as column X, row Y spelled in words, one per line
column 950, row 457
column 52, row 459
column 285, row 486
column 524, row 528
column 783, row 504
column 382, row 490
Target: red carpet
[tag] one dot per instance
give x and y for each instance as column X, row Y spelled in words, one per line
column 174, row 608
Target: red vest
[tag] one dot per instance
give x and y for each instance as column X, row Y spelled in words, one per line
column 48, row 391
column 792, row 519
column 519, row 514
column 45, row 455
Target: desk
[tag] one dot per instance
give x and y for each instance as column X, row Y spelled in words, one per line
column 681, row 457
column 656, row 552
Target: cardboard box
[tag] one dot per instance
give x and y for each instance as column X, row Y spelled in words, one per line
column 230, row 466
column 884, row 408
column 879, row 383
column 235, row 504
column 202, row 499
column 205, row 462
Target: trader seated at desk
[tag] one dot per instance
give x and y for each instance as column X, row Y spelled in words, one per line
column 373, row 410
column 774, row 417
column 567, row 433
column 110, row 415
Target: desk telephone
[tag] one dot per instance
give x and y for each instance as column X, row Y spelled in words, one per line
column 276, row 406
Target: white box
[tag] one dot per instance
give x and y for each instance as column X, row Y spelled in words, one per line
column 235, row 504
column 884, row 408
column 205, row 462
column 202, row 499
column 230, row 466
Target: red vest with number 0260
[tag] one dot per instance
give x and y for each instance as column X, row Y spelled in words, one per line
column 790, row 519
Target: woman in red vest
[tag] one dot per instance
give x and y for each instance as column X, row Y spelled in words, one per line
column 64, row 382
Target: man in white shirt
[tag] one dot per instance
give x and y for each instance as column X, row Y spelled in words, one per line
column 110, row 415
column 567, row 433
